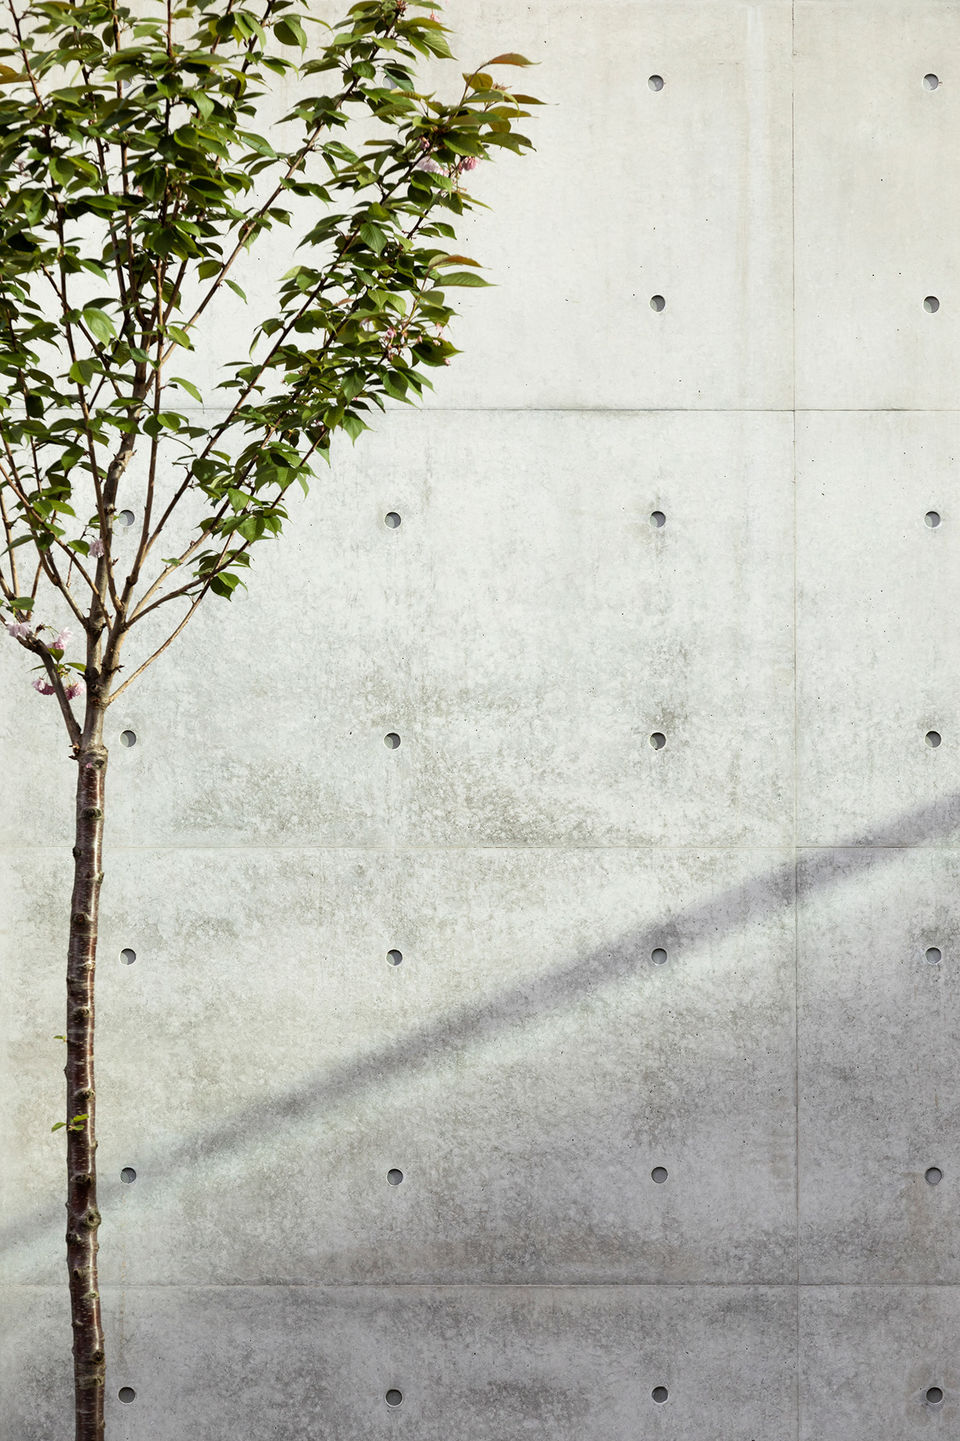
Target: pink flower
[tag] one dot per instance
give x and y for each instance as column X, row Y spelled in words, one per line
column 74, row 688
column 18, row 629
column 62, row 639
column 43, row 686
column 427, row 164
column 470, row 163
column 96, row 547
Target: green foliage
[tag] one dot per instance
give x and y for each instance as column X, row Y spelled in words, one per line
column 76, row 1123
column 133, row 180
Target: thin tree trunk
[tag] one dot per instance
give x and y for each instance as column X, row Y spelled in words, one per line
column 83, row 1217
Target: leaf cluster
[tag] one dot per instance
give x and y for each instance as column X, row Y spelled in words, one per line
column 134, row 178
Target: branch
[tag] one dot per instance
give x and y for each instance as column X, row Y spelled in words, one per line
column 53, row 675
column 159, row 651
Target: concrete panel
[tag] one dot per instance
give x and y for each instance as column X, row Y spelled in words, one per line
column 683, row 192
column 873, row 1359
column 525, row 631
column 302, row 1362
column 879, row 1095
column 876, row 645
column 528, row 1066
column 876, row 205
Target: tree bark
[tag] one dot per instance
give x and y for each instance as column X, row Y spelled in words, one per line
column 83, row 1217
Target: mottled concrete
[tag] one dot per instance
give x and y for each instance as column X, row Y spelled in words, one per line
column 873, row 1359
column 876, row 642
column 543, row 1362
column 527, row 1066
column 879, row 1030
column 875, row 205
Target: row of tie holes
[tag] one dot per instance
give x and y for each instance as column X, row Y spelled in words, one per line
column 930, row 82
column 931, row 303
column 933, row 1395
column 933, row 956
column 395, row 1398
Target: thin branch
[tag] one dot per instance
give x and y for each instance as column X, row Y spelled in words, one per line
column 159, row 651
column 11, row 553
column 37, row 647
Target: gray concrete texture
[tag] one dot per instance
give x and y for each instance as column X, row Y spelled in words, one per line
column 668, row 1063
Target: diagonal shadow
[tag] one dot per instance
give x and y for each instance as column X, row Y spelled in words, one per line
column 531, row 1000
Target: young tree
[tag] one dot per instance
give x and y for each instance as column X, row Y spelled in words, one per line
column 132, row 185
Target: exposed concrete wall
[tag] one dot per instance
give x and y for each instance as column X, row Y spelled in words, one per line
column 617, row 961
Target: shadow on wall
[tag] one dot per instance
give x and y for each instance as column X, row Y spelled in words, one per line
column 597, row 1243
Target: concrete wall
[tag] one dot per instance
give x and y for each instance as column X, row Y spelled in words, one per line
column 672, row 1047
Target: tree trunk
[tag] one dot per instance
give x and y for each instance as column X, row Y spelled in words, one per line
column 83, row 1218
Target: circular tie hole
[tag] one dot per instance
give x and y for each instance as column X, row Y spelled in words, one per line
column 934, row 1395
column 659, row 956
column 933, row 955
column 127, row 957
column 394, row 1177
column 659, row 1394
column 128, row 1175
column 931, row 82
column 393, row 1397
column 391, row 519
column 394, row 957
column 127, row 1394
column 128, row 738
column 658, row 740
column 933, row 739
column 657, row 519
column 125, row 518
column 931, row 303
column 932, row 518
column 657, row 302
column 659, row 1174
column 391, row 741
column 655, row 82
column 933, row 1176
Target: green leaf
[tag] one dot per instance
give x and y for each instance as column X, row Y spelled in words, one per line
column 82, row 371
column 289, row 31
column 99, row 324
column 21, row 602
column 188, row 386
column 453, row 260
column 462, row 277
column 59, row 1126
column 373, row 236
column 510, row 58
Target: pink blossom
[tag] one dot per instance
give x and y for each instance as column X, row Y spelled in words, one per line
column 427, row 164
column 43, row 686
column 470, row 163
column 19, row 629
column 74, row 688
column 61, row 639
column 96, row 547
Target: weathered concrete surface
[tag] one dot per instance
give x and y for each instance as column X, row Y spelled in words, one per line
column 302, row 1362
column 529, row 1064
